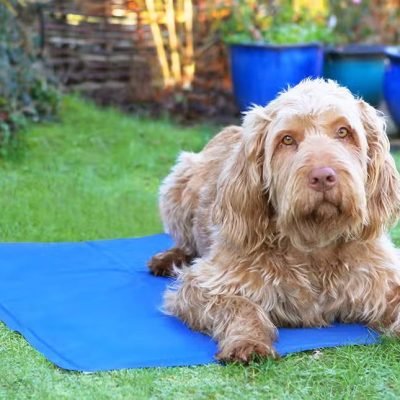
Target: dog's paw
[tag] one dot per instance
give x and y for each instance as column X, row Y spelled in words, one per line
column 246, row 351
column 164, row 264
column 159, row 265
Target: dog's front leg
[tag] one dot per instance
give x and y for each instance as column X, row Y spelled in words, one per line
column 243, row 331
column 241, row 327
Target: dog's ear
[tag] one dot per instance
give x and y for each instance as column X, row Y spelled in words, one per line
column 241, row 209
column 383, row 183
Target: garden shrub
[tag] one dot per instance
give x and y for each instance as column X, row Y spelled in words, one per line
column 26, row 91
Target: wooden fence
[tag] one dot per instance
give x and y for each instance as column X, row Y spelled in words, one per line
column 159, row 52
column 120, row 51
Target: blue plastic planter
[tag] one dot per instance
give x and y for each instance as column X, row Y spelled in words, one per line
column 360, row 68
column 392, row 85
column 259, row 72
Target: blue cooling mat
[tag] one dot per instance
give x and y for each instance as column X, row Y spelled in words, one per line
column 93, row 306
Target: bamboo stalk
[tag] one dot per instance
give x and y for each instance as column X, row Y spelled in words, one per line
column 189, row 68
column 158, row 42
column 173, row 41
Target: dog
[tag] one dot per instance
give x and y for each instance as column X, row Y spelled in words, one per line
column 283, row 222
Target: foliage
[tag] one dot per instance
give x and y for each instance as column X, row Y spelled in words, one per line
column 10, row 4
column 275, row 22
column 25, row 91
column 366, row 21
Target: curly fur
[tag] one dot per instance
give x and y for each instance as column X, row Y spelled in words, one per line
column 267, row 249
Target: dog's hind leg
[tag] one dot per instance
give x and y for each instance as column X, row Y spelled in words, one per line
column 178, row 202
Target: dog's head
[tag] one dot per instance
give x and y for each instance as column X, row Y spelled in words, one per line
column 314, row 166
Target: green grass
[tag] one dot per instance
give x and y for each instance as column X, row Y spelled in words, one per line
column 96, row 175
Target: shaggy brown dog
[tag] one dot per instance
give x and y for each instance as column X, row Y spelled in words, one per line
column 286, row 220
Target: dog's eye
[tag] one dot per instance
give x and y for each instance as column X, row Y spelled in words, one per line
column 342, row 132
column 288, row 140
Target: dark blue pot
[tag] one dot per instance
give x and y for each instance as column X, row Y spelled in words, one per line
column 259, row 72
column 391, row 85
column 358, row 67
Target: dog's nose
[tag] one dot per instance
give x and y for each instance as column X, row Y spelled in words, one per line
column 322, row 179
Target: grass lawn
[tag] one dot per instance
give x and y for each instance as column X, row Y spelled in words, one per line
column 96, row 175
